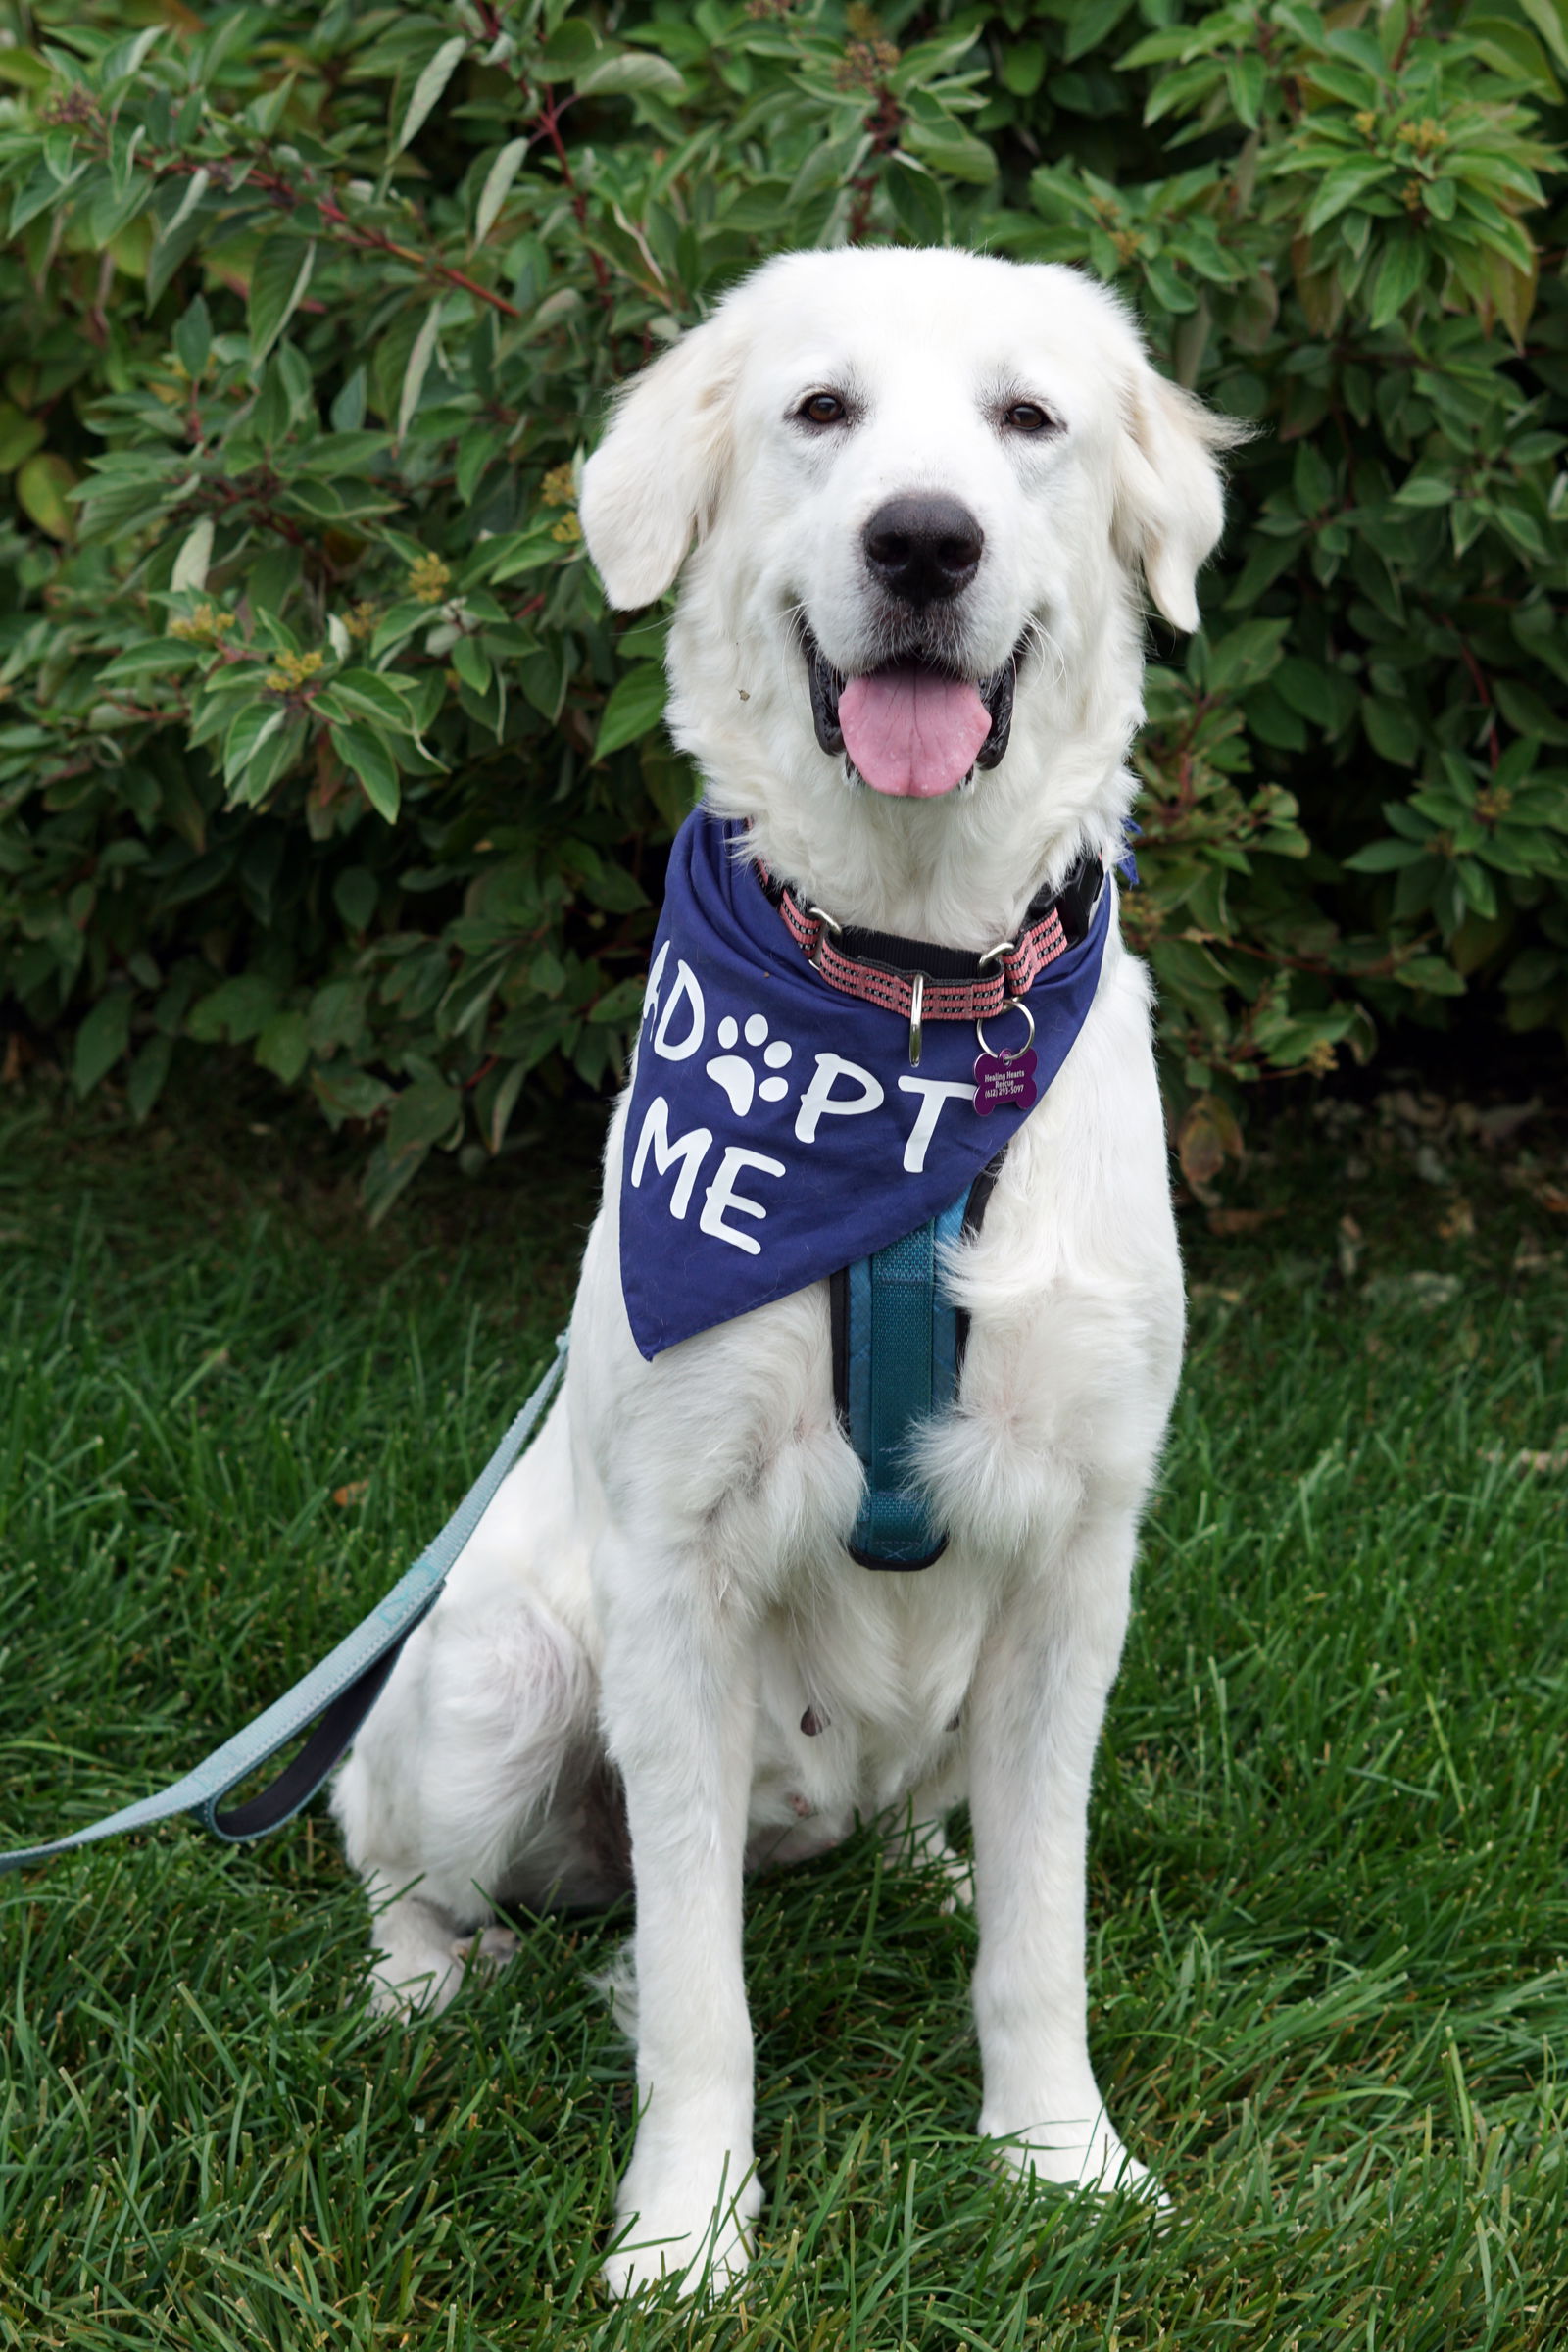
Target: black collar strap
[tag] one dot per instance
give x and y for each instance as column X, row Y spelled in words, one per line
column 926, row 982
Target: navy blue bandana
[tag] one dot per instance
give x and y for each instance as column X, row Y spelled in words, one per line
column 777, row 1131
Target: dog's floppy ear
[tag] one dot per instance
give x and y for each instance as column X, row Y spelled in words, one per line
column 655, row 478
column 1169, row 507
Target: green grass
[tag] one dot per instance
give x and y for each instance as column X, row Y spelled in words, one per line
column 1328, row 1909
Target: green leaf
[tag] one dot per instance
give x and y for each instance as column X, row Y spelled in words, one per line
column 1343, row 186
column 419, row 366
column 347, row 412
column 1090, row 23
column 42, row 487
column 369, row 694
column 237, row 1009
column 1384, row 856
column 423, row 1115
column 526, row 551
column 1246, row 79
column 1159, row 48
column 399, row 621
column 194, row 557
column 146, row 1078
column 948, row 148
column 101, row 1040
column 1023, row 67
column 1307, row 690
column 252, row 726
column 153, row 656
column 1403, row 266
column 270, row 761
column 428, row 88
column 1430, row 974
column 1517, row 523
column 283, row 1045
column 1185, row 89
column 193, row 339
column 476, row 450
column 1536, row 968
column 636, row 704
column 1352, row 84
column 37, row 193
column 1244, row 656
column 470, row 662
column 345, row 1093
column 571, row 46
column 1529, row 712
column 196, row 189
column 365, row 751
column 503, row 1102
column 278, row 278
column 1391, row 731
column 616, row 889
column 356, row 894
column 19, row 436
column 118, row 64
column 633, row 71
column 169, row 251
column 1548, row 19
column 497, row 186
column 1425, row 490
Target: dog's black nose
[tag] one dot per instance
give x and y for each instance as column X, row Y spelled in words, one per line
column 923, row 548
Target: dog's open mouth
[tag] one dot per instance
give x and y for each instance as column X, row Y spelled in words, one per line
column 912, row 728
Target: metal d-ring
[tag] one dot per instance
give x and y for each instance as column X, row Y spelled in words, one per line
column 820, row 914
column 1014, row 1004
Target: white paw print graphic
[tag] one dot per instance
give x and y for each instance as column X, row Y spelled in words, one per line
column 737, row 1077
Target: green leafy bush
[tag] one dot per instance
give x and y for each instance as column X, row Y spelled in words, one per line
column 316, row 737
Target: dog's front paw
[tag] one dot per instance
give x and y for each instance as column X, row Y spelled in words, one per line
column 677, row 2228
column 1077, row 2154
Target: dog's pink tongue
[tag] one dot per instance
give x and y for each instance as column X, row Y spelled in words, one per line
column 911, row 732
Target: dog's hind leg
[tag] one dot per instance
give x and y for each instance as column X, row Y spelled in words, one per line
column 917, row 1837
column 460, row 1789
column 419, row 1959
column 469, row 1777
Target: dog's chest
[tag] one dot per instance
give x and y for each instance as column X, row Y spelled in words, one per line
column 861, row 1696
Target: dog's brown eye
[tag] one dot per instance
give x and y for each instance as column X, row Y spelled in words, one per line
column 822, row 408
column 1027, row 416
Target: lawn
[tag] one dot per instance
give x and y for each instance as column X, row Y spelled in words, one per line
column 1328, row 1911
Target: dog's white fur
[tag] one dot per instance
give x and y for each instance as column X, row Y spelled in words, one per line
column 663, row 1580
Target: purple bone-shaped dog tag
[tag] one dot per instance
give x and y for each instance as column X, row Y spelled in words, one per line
column 1004, row 1081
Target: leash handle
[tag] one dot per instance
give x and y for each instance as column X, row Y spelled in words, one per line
column 341, row 1691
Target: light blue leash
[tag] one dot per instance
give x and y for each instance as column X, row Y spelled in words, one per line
column 896, row 1351
column 341, row 1691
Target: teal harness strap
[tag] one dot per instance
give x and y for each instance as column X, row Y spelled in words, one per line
column 898, row 1344
column 341, row 1691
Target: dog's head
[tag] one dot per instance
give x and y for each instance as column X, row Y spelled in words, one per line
column 923, row 486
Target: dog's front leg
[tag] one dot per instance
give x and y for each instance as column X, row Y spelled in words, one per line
column 679, row 1703
column 1039, row 1700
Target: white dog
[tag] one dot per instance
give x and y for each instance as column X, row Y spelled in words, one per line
column 913, row 474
